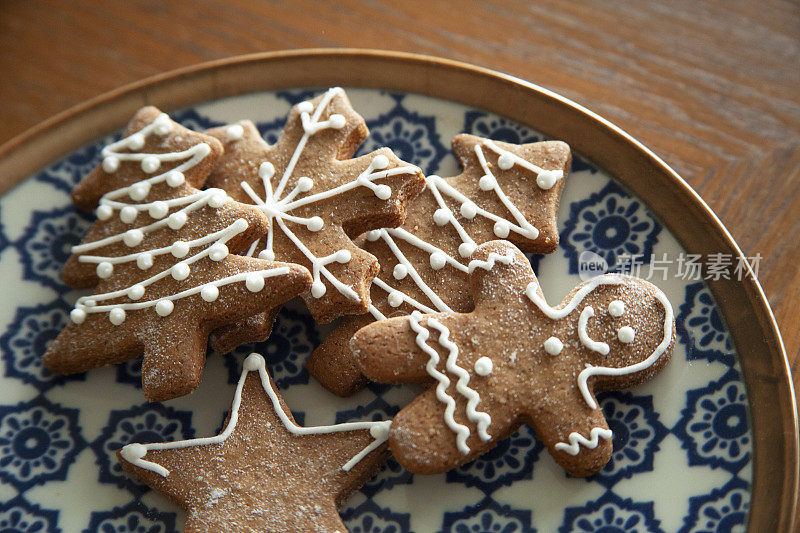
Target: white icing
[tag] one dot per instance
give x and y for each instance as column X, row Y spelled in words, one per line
column 583, row 334
column 559, row 313
column 484, row 366
column 278, row 206
column 211, row 245
column 616, row 308
column 553, row 346
column 481, row 419
column 576, row 440
column 626, row 334
column 135, row 453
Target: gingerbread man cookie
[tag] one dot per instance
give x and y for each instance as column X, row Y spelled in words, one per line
column 507, row 191
column 316, row 199
column 263, row 472
column 515, row 360
column 160, row 258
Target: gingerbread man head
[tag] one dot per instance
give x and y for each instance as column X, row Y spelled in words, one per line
column 514, row 360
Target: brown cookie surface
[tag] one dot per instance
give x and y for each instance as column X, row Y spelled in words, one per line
column 514, row 360
column 161, row 260
column 316, row 199
column 263, row 472
column 505, row 190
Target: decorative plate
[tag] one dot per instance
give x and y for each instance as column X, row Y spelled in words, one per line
column 683, row 444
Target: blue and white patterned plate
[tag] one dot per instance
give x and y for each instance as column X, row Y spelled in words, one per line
column 682, row 456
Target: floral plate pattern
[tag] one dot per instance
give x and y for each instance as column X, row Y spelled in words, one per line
column 682, row 443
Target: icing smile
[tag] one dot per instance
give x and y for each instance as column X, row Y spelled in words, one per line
column 596, row 346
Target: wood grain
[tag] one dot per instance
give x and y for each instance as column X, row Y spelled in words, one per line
column 712, row 87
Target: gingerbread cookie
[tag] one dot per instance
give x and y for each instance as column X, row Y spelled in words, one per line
column 515, row 360
column 160, row 258
column 507, row 191
column 263, row 472
column 316, row 199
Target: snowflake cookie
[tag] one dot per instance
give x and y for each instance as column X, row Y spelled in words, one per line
column 515, row 360
column 316, row 199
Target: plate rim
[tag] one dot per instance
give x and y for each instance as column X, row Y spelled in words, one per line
column 765, row 369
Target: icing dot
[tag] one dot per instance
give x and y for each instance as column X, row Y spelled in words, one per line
column 379, row 431
column 117, row 316
column 128, row 214
column 305, row 184
column 337, row 121
column 104, row 212
column 162, row 125
column 553, row 346
column 104, row 270
column 487, row 182
column 150, row 164
column 77, row 316
column 547, row 178
column 484, row 366
column 240, row 225
column 315, row 223
column 133, row 451
column 176, row 220
column 616, row 308
column 179, row 249
column 380, row 162
column 133, row 237
column 144, row 261
column 305, row 107
column 343, row 256
column 267, row 255
column 89, row 303
column 395, row 298
column 383, row 192
column 110, row 164
column 218, row 199
column 136, row 291
column 253, row 362
column 438, row 260
column 373, row 235
column 174, row 178
column 234, row 133
column 502, row 229
column 180, row 271
column 136, row 141
column 469, row 210
column 266, row 170
column 441, row 216
column 505, row 161
column 318, row 289
column 400, row 271
column 218, row 251
column 209, row 293
column 139, row 191
column 158, row 209
column 164, row 307
column 626, row 334
column 254, row 282
column 466, row 249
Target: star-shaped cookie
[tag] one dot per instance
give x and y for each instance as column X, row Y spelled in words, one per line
column 505, row 190
column 316, row 199
column 263, row 472
column 161, row 260
column 515, row 360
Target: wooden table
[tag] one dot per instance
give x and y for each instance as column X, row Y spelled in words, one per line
column 713, row 88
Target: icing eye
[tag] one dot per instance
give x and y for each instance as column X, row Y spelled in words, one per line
column 626, row 334
column 616, row 308
column 553, row 346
